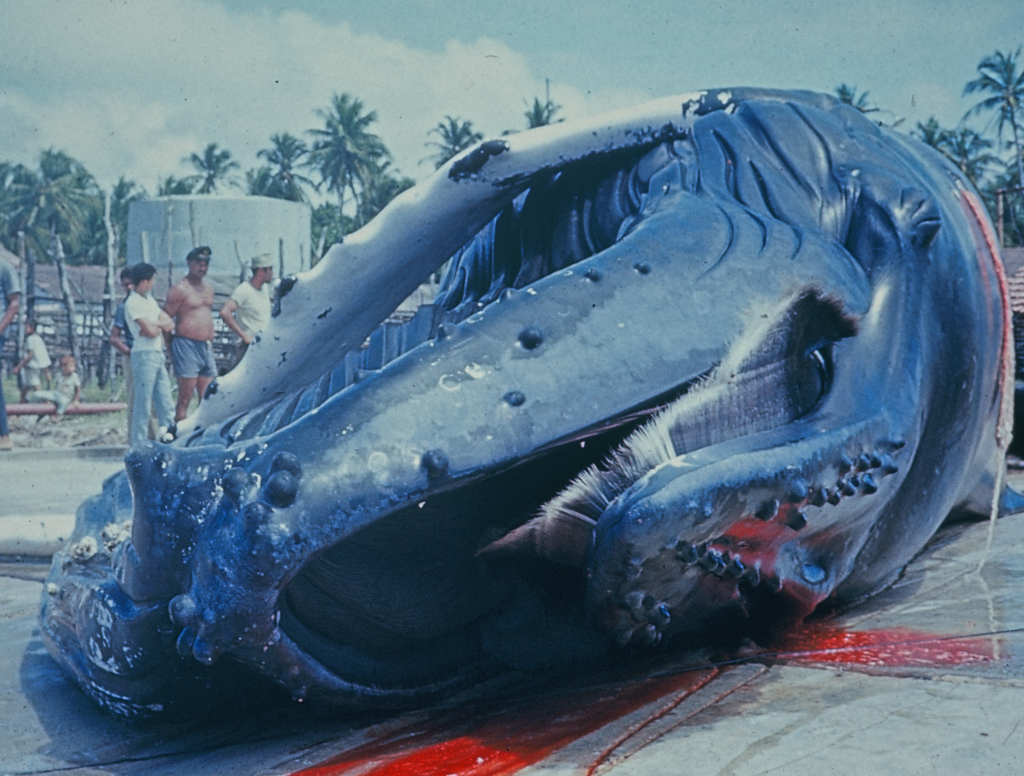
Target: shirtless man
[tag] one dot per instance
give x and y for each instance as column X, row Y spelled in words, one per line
column 190, row 304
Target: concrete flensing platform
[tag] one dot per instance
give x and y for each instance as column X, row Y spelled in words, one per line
column 64, row 453
column 941, row 693
column 36, row 518
column 34, row 536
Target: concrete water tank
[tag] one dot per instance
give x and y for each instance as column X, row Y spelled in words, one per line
column 163, row 230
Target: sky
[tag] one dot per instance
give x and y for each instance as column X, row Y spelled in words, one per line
column 132, row 87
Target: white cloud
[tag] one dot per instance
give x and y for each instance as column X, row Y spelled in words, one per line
column 132, row 88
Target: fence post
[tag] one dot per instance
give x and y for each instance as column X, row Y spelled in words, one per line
column 19, row 322
column 65, row 291
column 999, row 216
column 105, row 360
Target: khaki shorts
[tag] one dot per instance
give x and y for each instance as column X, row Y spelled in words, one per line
column 31, row 377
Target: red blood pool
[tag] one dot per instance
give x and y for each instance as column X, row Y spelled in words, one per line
column 896, row 647
column 495, row 740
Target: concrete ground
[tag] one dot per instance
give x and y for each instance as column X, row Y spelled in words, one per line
column 926, row 678
column 40, row 489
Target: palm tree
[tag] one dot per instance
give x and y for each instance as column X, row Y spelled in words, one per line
column 455, row 136
column 326, row 226
column 848, row 94
column 540, row 115
column 967, row 150
column 171, row 186
column 10, row 176
column 53, row 202
column 998, row 78
column 259, row 182
column 212, row 168
column 380, row 188
column 287, row 154
column 962, row 146
column 122, row 195
column 930, row 133
column 344, row 150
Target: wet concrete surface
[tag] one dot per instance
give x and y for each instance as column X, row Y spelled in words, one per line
column 43, row 481
column 40, row 489
column 927, row 677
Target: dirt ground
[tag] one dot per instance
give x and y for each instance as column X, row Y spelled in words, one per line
column 74, row 431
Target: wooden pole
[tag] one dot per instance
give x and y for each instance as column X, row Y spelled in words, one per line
column 22, row 313
column 104, row 362
column 167, row 242
column 999, row 209
column 999, row 217
column 30, row 284
column 242, row 274
column 65, row 291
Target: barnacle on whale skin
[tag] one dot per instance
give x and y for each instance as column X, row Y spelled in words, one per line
column 689, row 373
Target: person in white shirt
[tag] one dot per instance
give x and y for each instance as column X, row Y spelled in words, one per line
column 35, row 362
column 67, row 388
column 147, row 324
column 248, row 309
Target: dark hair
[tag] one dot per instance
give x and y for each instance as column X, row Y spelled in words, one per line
column 30, row 322
column 142, row 271
column 126, row 272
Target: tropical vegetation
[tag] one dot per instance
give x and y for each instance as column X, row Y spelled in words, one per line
column 345, row 171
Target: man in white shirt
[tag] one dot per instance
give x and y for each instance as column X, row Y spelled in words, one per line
column 147, row 324
column 248, row 309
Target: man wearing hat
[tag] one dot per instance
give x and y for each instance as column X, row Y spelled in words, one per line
column 247, row 311
column 190, row 304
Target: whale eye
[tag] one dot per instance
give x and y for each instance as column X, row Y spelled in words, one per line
column 809, row 379
column 822, row 364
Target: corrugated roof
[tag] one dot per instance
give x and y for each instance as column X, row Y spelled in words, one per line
column 1013, row 260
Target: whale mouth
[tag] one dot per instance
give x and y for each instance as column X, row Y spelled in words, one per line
column 414, row 622
column 408, row 597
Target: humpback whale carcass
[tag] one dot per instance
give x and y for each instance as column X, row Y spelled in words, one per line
column 695, row 368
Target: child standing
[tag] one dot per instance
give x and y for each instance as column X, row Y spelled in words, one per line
column 35, row 361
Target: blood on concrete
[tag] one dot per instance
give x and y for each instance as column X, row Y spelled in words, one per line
column 496, row 740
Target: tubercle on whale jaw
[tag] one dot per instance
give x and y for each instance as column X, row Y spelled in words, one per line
column 238, row 551
column 759, row 560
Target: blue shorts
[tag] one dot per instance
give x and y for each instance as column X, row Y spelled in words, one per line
column 192, row 358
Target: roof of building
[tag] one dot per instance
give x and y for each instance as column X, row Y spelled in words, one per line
column 1013, row 260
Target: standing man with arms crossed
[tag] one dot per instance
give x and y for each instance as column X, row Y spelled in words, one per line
column 190, row 304
column 10, row 302
column 121, row 340
column 248, row 309
column 148, row 324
